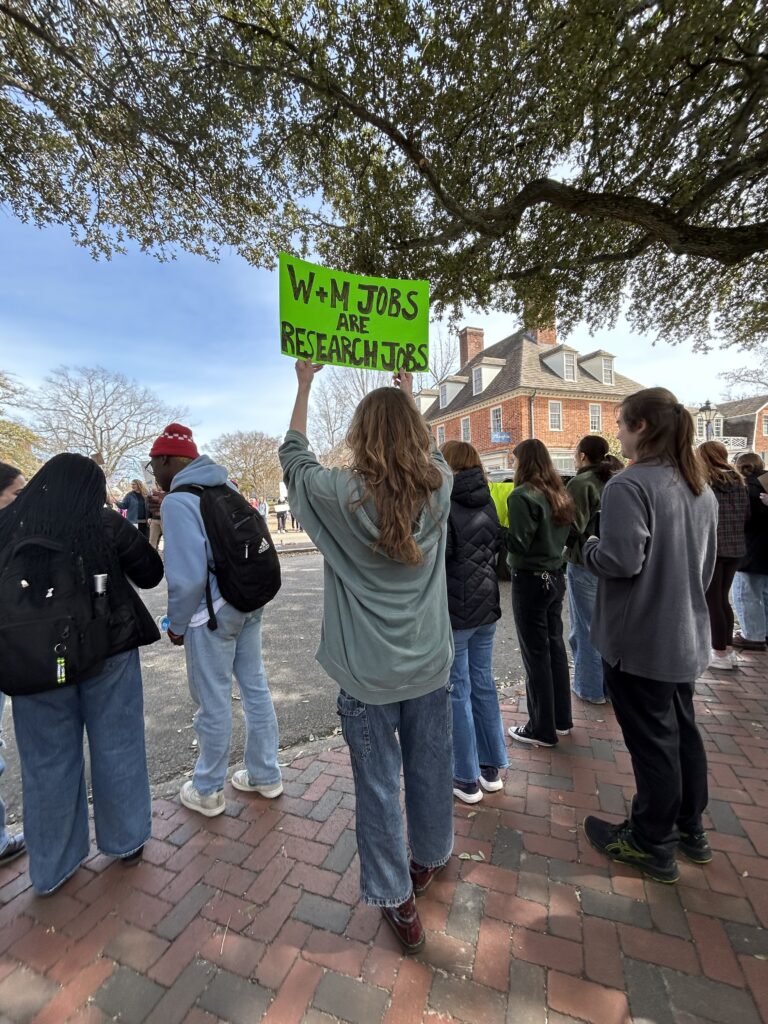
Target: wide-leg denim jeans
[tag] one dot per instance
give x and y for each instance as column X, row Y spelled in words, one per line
column 49, row 736
column 382, row 738
column 478, row 731
column 587, row 680
column 750, row 599
column 213, row 657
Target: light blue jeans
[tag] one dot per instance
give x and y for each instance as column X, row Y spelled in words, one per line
column 478, row 731
column 49, row 736
column 587, row 681
column 750, row 601
column 213, row 657
column 382, row 738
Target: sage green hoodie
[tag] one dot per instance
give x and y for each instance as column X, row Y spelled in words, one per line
column 386, row 634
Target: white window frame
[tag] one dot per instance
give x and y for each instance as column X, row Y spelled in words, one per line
column 440, row 431
column 443, row 395
column 562, row 463
column 494, row 428
column 557, row 408
column 701, row 427
column 717, row 426
column 765, row 424
column 466, row 429
column 569, row 364
column 595, row 417
column 477, row 380
column 607, row 370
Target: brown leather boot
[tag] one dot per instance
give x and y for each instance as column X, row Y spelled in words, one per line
column 404, row 922
column 422, row 877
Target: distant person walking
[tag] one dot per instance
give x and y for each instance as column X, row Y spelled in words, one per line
column 154, row 502
column 593, row 471
column 219, row 640
column 63, row 505
column 471, row 549
column 135, row 505
column 655, row 558
column 733, row 510
column 386, row 636
column 540, row 515
column 750, row 585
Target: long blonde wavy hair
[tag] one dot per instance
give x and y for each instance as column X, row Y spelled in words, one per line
column 389, row 445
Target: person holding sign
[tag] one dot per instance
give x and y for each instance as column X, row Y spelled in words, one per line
column 386, row 636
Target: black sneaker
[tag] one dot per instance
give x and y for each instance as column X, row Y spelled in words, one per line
column 695, row 846
column 618, row 843
column 521, row 734
column 469, row 792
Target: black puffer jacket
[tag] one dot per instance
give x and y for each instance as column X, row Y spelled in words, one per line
column 756, row 531
column 470, row 554
column 130, row 624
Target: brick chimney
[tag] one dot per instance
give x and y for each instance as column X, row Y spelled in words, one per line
column 546, row 337
column 471, row 343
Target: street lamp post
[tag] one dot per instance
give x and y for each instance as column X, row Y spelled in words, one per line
column 708, row 413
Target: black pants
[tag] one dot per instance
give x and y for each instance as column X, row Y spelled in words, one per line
column 537, row 605
column 659, row 727
column 720, row 611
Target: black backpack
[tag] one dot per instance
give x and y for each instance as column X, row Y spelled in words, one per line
column 52, row 639
column 246, row 564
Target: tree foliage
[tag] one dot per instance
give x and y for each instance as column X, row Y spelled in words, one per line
column 528, row 156
column 88, row 409
column 251, row 458
column 18, row 446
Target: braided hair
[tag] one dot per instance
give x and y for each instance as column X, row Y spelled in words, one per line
column 62, row 503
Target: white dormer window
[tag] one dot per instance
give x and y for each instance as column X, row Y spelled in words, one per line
column 569, row 365
column 607, row 370
column 443, row 395
column 465, row 432
column 477, row 380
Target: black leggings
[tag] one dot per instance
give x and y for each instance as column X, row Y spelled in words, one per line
column 720, row 611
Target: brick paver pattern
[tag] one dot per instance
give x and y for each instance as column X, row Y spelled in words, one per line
column 255, row 915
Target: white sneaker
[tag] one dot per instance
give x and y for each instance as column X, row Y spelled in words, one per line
column 721, row 663
column 241, row 781
column 210, row 805
column 563, row 732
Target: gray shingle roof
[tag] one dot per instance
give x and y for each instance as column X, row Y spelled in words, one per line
column 524, row 368
column 742, row 407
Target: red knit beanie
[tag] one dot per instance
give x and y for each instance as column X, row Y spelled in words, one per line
column 176, row 439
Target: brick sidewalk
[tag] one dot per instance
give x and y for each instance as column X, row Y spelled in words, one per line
column 255, row 915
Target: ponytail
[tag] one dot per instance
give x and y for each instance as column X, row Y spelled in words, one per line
column 668, row 433
column 595, row 448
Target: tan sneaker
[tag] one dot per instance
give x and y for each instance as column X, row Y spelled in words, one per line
column 241, row 781
column 210, row 805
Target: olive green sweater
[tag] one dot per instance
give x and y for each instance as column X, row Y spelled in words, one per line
column 534, row 541
column 586, row 489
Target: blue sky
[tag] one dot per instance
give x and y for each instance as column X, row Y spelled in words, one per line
column 205, row 335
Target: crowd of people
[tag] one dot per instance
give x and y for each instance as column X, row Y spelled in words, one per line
column 413, row 541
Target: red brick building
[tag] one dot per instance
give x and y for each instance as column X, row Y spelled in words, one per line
column 527, row 385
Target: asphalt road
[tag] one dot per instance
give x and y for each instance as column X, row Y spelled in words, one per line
column 304, row 696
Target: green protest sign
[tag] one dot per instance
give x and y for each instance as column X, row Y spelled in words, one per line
column 373, row 322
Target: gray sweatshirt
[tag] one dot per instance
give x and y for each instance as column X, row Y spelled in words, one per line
column 654, row 559
column 386, row 633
